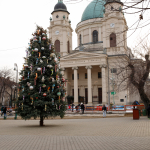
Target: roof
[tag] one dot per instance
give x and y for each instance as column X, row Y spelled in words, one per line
column 94, row 10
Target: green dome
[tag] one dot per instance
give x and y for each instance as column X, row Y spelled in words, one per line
column 94, row 10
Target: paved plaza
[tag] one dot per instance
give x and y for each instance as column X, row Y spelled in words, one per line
column 121, row 133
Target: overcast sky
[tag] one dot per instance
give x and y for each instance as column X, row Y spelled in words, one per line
column 17, row 23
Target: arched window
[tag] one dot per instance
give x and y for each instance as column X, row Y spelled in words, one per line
column 68, row 45
column 80, row 39
column 113, row 40
column 95, row 36
column 57, row 46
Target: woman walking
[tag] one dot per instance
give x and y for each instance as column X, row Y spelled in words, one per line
column 104, row 109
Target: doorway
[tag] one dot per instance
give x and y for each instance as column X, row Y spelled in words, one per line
column 100, row 95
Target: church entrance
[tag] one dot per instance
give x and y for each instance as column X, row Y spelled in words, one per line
column 86, row 95
column 100, row 95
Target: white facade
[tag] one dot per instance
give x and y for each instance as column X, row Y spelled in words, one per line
column 88, row 67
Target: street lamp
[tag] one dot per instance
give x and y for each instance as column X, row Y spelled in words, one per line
column 16, row 69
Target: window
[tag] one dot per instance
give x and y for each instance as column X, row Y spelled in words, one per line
column 121, row 100
column 95, row 36
column 85, row 75
column 113, row 70
column 57, row 16
column 57, row 46
column 80, row 39
column 78, row 75
column 112, row 8
column 99, row 75
column 113, row 40
column 72, row 76
column 68, row 44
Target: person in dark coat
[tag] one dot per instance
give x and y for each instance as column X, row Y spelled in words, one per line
column 4, row 111
column 72, row 106
column 104, row 109
column 82, row 108
column 148, row 111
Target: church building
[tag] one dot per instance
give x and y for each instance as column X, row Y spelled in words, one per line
column 91, row 68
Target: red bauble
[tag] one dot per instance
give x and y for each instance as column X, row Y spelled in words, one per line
column 63, row 80
column 44, row 38
column 44, row 94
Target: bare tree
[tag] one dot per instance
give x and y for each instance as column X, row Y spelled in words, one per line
column 6, row 82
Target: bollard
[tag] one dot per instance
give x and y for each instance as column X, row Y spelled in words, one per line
column 15, row 116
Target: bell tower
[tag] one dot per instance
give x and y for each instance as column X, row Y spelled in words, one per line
column 60, row 31
column 114, row 27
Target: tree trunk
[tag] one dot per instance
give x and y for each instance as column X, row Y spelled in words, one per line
column 41, row 121
column 144, row 97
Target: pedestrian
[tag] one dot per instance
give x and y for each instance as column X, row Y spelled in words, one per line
column 148, row 111
column 4, row 111
column 69, row 107
column 72, row 106
column 82, row 108
column 104, row 109
column 2, row 108
column 79, row 107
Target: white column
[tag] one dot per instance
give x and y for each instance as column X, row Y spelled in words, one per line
column 104, row 90
column 90, row 39
column 82, row 37
column 75, row 85
column 89, row 84
column 99, row 38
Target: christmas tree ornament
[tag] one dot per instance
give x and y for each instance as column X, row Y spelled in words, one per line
column 36, row 49
column 28, row 74
column 26, row 53
column 48, row 89
column 41, row 61
column 58, row 94
column 31, row 87
column 36, row 76
column 44, row 38
column 47, row 61
column 55, row 67
column 44, row 86
column 50, row 47
column 37, row 61
column 50, row 58
column 44, row 70
column 52, row 101
column 28, row 83
column 50, row 78
column 42, row 48
column 22, row 88
column 57, row 77
column 23, row 97
column 53, row 80
column 44, row 94
column 40, row 90
column 41, row 70
column 45, row 107
column 52, row 55
column 39, row 39
column 63, row 79
column 38, row 69
column 43, row 33
column 51, row 71
column 32, row 101
column 43, row 57
column 39, row 54
column 43, row 79
column 53, row 87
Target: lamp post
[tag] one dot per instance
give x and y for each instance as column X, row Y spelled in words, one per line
column 113, row 83
column 16, row 69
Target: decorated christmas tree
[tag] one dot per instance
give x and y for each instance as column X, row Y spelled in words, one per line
column 41, row 86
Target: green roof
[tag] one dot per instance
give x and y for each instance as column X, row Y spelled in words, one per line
column 94, row 10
